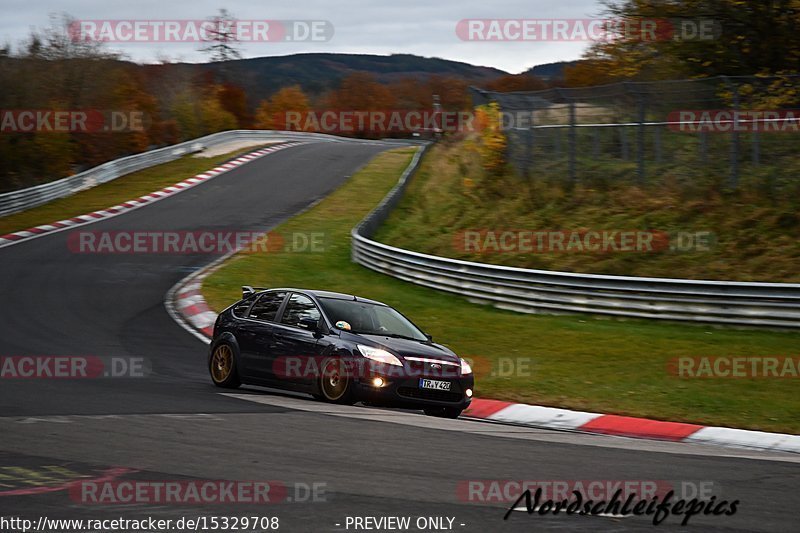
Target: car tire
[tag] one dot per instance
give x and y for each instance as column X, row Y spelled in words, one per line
column 334, row 384
column 443, row 412
column 222, row 367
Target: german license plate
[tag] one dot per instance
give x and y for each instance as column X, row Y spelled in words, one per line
column 434, row 384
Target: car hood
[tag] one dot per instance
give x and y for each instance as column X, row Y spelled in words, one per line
column 409, row 348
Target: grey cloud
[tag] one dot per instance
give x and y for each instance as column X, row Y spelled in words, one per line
column 419, row 27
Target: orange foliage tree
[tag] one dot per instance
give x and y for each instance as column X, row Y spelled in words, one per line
column 492, row 141
column 516, row 82
column 269, row 114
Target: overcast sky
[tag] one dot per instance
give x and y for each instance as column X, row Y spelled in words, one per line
column 422, row 27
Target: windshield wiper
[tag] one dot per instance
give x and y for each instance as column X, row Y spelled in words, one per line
column 386, row 334
column 400, row 336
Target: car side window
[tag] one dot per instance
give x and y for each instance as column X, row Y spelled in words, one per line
column 240, row 310
column 266, row 308
column 298, row 308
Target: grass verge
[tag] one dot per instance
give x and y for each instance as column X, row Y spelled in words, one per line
column 748, row 235
column 578, row 362
column 117, row 191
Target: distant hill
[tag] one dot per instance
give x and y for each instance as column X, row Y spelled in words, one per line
column 550, row 71
column 317, row 72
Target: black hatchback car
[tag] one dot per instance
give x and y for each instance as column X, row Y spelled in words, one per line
column 339, row 348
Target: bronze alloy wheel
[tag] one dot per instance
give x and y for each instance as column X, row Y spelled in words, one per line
column 222, row 364
column 334, row 381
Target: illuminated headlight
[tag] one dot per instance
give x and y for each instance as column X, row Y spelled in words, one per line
column 377, row 382
column 468, row 392
column 465, row 368
column 379, row 355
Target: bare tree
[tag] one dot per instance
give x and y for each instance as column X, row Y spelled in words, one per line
column 221, row 40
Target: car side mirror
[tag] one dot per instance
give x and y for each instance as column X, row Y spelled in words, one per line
column 429, row 337
column 309, row 324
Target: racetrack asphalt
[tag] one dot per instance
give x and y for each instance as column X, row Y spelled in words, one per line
column 174, row 425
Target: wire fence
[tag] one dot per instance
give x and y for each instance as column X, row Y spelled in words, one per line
column 729, row 127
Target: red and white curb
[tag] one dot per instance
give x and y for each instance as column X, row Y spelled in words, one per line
column 89, row 218
column 185, row 303
column 193, row 308
column 625, row 426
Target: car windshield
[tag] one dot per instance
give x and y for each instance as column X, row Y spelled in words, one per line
column 370, row 319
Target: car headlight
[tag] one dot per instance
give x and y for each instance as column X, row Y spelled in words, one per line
column 465, row 368
column 379, row 355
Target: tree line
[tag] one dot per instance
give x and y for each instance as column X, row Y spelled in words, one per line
column 50, row 71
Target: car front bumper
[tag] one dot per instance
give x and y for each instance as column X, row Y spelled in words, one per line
column 406, row 391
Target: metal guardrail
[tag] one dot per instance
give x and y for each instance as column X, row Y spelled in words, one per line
column 541, row 291
column 15, row 201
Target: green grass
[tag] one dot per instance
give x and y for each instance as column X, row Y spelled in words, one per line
column 578, row 362
column 117, row 191
column 753, row 232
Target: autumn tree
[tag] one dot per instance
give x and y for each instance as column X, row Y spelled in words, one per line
column 233, row 99
column 270, row 113
column 741, row 38
column 516, row 82
column 589, row 72
column 417, row 93
column 491, row 141
column 361, row 91
column 411, row 93
column 453, row 92
column 197, row 111
column 54, row 71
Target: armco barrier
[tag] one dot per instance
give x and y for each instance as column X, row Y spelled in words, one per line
column 541, row 291
column 15, row 201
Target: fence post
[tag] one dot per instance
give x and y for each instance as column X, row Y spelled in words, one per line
column 573, row 140
column 704, row 146
column 756, row 140
column 657, row 141
column 640, row 137
column 623, row 139
column 734, row 148
column 571, row 135
column 556, row 135
column 531, row 139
